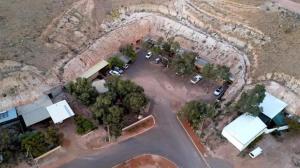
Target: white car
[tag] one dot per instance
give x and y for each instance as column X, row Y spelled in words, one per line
column 113, row 72
column 220, row 90
column 196, row 79
column 148, row 55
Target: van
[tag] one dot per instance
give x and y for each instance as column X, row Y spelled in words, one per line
column 256, row 152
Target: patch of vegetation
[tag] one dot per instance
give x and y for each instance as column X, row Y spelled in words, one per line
column 124, row 97
column 83, row 90
column 197, row 112
column 129, row 51
column 184, row 64
column 38, row 143
column 15, row 146
column 115, row 61
column 168, row 48
column 250, row 100
column 115, row 14
column 294, row 125
column 216, row 72
column 83, row 125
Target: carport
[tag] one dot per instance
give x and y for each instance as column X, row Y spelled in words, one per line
column 93, row 72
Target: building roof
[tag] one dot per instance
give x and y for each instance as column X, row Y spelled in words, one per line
column 8, row 115
column 271, row 105
column 243, row 130
column 124, row 59
column 36, row 111
column 99, row 85
column 94, row 69
column 60, row 111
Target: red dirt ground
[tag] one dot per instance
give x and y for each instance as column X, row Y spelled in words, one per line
column 147, row 161
column 193, row 135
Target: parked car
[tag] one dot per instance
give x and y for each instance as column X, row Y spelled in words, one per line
column 220, row 90
column 113, row 72
column 118, row 70
column 148, row 55
column 196, row 79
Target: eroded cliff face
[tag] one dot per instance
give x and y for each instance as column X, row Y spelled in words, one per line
column 93, row 30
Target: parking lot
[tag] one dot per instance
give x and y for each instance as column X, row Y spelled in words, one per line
column 160, row 82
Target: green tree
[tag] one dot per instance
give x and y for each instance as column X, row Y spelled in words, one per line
column 129, row 51
column 114, row 120
column 135, row 101
column 121, row 87
column 250, row 100
column 103, row 102
column 115, row 61
column 223, row 72
column 83, row 90
column 196, row 112
column 184, row 64
column 220, row 72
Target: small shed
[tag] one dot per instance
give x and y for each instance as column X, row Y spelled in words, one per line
column 243, row 130
column 100, row 86
column 93, row 72
column 36, row 111
column 272, row 108
column 60, row 111
column 8, row 115
column 200, row 62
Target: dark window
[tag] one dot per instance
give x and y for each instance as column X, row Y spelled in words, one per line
column 3, row 114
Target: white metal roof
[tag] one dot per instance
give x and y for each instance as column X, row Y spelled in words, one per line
column 243, row 130
column 271, row 105
column 60, row 111
column 94, row 69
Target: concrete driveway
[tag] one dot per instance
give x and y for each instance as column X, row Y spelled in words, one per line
column 167, row 139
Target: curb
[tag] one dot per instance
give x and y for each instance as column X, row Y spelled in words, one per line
column 47, row 153
column 112, row 143
column 191, row 139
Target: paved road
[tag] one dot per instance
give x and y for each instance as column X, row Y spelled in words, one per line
column 166, row 139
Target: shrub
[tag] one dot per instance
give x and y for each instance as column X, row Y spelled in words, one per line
column 83, row 125
column 196, row 112
column 129, row 51
column 115, row 61
column 250, row 100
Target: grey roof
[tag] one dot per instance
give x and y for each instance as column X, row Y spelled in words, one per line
column 200, row 61
column 125, row 59
column 36, row 111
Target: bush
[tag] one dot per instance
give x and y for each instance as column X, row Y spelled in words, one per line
column 129, row 51
column 83, row 125
column 184, row 64
column 219, row 72
column 294, row 125
column 196, row 112
column 35, row 143
column 115, row 62
column 250, row 100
